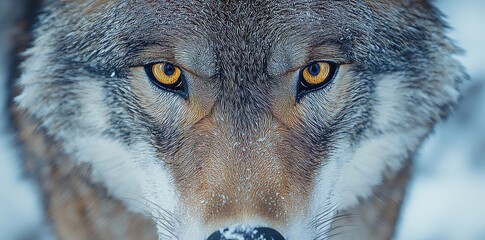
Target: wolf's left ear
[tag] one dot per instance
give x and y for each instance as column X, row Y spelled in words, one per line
column 426, row 4
column 20, row 16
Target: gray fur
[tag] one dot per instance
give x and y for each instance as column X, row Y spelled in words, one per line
column 242, row 50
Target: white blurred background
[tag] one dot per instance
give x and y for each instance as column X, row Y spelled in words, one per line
column 446, row 199
column 447, row 195
column 20, row 208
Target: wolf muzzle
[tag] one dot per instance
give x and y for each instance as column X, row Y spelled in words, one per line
column 240, row 232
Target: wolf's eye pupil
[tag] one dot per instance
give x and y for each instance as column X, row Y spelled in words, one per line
column 169, row 69
column 314, row 69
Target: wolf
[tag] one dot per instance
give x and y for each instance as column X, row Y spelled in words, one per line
column 230, row 119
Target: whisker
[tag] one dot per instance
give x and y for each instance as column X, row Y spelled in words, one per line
column 162, row 217
column 324, row 220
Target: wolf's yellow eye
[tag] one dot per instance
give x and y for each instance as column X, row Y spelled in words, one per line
column 167, row 77
column 316, row 76
column 166, row 73
column 316, row 73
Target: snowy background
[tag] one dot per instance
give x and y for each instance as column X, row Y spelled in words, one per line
column 447, row 195
column 20, row 209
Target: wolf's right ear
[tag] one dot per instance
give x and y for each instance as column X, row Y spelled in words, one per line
column 418, row 6
column 426, row 4
column 19, row 17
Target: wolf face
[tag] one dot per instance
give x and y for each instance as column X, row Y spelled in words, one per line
column 204, row 115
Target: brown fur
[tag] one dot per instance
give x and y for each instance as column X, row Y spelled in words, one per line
column 77, row 208
column 375, row 217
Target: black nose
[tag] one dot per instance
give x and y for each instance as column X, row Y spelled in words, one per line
column 238, row 233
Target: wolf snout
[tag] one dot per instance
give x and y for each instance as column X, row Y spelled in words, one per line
column 246, row 233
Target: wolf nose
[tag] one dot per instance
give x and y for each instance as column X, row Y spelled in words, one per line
column 240, row 232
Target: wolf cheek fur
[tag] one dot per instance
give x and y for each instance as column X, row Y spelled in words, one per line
column 119, row 157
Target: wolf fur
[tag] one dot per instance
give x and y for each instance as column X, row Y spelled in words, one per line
column 118, row 158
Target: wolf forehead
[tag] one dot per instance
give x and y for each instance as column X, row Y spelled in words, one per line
column 278, row 34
